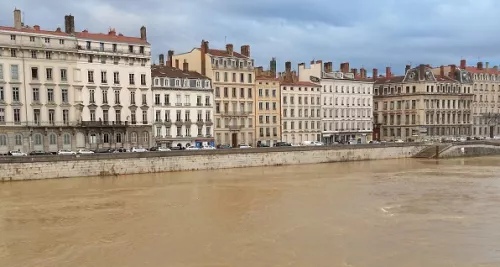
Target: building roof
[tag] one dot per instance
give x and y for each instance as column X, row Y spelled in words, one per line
column 110, row 37
column 224, row 53
column 400, row 79
column 266, row 78
column 484, row 70
column 171, row 72
column 298, row 83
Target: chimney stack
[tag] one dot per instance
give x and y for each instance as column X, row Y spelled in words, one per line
column 245, row 50
column 36, row 27
column 328, row 66
column 176, row 63
column 259, row 71
column 229, row 49
column 453, row 69
column 407, row 68
column 272, row 67
column 185, row 66
column 441, row 71
column 18, row 21
column 69, row 24
column 388, row 73
column 143, row 33
column 362, row 73
column 288, row 66
column 375, row 74
column 170, row 57
column 344, row 67
column 204, row 51
column 480, row 65
column 162, row 59
column 421, row 70
column 355, row 72
column 463, row 64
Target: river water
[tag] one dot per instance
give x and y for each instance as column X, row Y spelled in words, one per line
column 375, row 213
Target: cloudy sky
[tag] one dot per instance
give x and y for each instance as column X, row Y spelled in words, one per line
column 369, row 33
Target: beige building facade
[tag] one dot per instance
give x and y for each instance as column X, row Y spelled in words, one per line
column 233, row 78
column 422, row 105
column 62, row 89
column 267, row 106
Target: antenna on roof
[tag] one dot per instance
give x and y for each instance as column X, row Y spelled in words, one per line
column 225, row 40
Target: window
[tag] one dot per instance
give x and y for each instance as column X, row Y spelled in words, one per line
column 67, row 139
column 3, row 140
column 104, row 77
column 52, row 115
column 249, row 78
column 19, row 139
column 118, row 115
column 157, row 99
column 105, row 115
column 64, row 95
column 38, row 139
column 61, row 41
column 65, row 116
column 1, row 72
column 2, row 115
column 133, row 137
column 117, row 97
column 48, row 72
column 167, row 100
column 143, row 79
column 104, row 96
column 144, row 117
column 64, row 76
column 14, row 72
column 2, row 94
column 36, row 95
column 48, row 55
column 91, row 96
column 133, row 117
column 91, row 58
column 144, row 99
column 249, row 93
column 105, row 138
column 132, row 98
column 92, row 115
column 32, row 38
column 33, row 54
column 13, row 52
column 12, row 37
column 47, row 40
column 17, row 115
column 208, row 116
column 131, row 79
column 34, row 73
column 118, row 137
column 15, row 94
column 116, row 77
column 52, row 139
column 207, row 100
column 90, row 76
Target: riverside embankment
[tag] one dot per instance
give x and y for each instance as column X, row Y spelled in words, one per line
column 46, row 167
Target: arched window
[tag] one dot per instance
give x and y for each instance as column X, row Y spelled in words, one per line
column 19, row 139
column 106, row 138
column 67, row 139
column 118, row 137
column 53, row 139
column 145, row 136
column 133, row 137
column 93, row 138
column 3, row 140
column 38, row 139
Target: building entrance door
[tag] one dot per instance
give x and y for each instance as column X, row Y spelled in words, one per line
column 234, row 140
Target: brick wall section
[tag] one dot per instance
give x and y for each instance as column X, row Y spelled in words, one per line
column 132, row 163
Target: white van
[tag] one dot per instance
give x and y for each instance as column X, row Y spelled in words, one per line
column 312, row 143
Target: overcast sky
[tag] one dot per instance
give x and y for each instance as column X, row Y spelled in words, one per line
column 369, row 33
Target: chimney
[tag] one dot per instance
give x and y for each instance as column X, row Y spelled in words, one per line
column 170, row 57
column 36, row 27
column 355, row 72
column 480, row 65
column 362, row 73
column 272, row 67
column 421, row 74
column 487, row 65
column 453, row 69
column 58, row 29
column 441, row 71
column 407, row 68
column 229, row 49
column 259, row 71
column 328, row 66
column 69, row 24
column 388, row 73
column 245, row 50
column 204, row 51
column 18, row 22
column 112, row 32
column 463, row 64
column 162, row 59
column 143, row 33
column 375, row 74
column 344, row 67
column 319, row 61
column 185, row 66
column 176, row 63
column 288, row 71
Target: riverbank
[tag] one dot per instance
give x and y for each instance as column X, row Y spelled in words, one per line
column 47, row 167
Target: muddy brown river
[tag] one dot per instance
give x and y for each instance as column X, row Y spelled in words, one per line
column 390, row 213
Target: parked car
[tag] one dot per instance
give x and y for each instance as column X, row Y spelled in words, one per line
column 16, row 153
column 223, row 147
column 162, row 149
column 192, row 148
column 278, row 144
column 103, row 150
column 39, row 153
column 312, row 143
column 207, row 147
column 84, row 152
column 399, row 141
column 138, row 149
column 66, row 152
column 244, row 146
column 262, row 145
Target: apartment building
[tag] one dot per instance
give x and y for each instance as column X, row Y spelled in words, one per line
column 183, row 105
column 233, row 78
column 486, row 102
column 422, row 105
column 346, row 101
column 68, row 90
column 267, row 106
column 300, row 108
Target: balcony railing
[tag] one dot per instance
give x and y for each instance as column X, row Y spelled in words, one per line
column 235, row 127
column 103, row 123
column 39, row 123
column 235, row 113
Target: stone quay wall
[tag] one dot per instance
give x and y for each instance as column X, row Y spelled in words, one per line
column 46, row 167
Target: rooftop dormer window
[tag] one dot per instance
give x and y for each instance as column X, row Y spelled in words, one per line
column 166, row 82
column 198, row 84
column 186, row 83
column 157, row 82
column 177, row 83
column 207, row 84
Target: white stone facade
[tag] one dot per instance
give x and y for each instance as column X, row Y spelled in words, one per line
column 46, row 88
column 183, row 107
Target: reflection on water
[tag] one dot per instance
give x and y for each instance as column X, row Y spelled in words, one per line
column 378, row 213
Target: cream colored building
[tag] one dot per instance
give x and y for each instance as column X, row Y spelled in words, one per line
column 301, row 109
column 422, row 105
column 268, row 111
column 183, row 106
column 346, row 102
column 486, row 103
column 233, row 79
column 68, row 90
